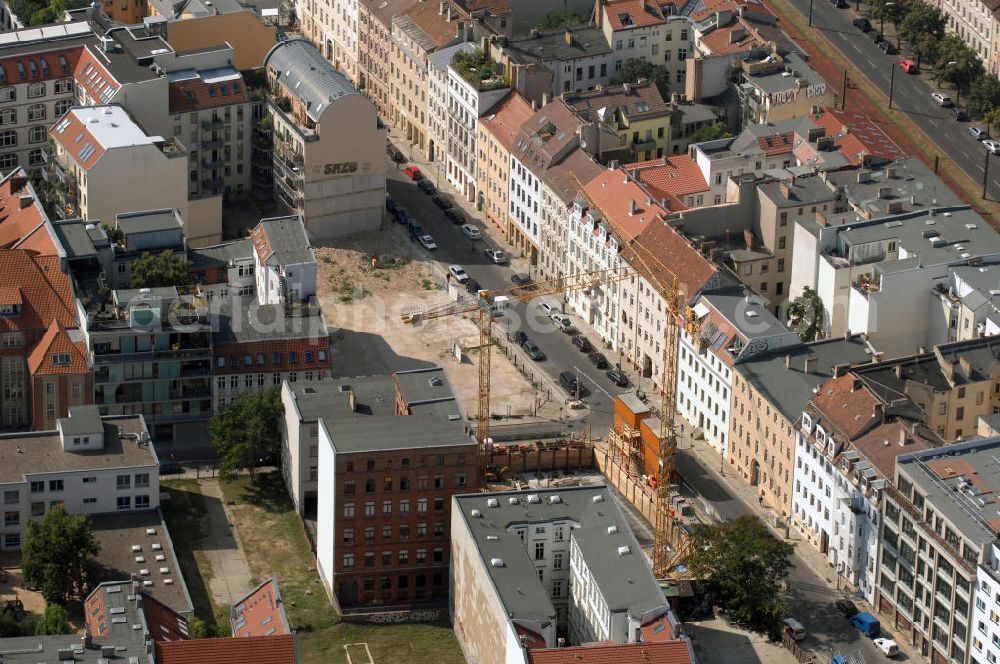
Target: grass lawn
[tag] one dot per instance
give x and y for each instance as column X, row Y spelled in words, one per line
column 184, row 512
column 276, row 545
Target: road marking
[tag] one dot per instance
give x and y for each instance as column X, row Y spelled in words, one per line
column 581, row 372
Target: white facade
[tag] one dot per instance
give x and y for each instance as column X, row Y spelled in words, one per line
column 437, row 101
column 327, row 518
column 972, row 21
column 524, row 194
column 465, row 105
column 592, row 246
column 985, row 638
column 812, row 498
column 552, row 236
column 704, row 386
column 299, row 450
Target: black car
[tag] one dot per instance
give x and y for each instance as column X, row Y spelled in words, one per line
column 472, row 286
column 533, row 351
column 426, row 186
column 862, row 24
column 960, row 114
column 455, row 217
column 569, row 380
column 598, row 359
column 618, row 377
column 582, row 343
column 390, row 205
column 416, row 230
column 520, row 337
column 876, row 37
column 840, row 4
column 887, row 47
column 441, row 202
column 846, row 608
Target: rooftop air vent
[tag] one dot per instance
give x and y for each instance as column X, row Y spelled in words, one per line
column 492, row 502
column 496, row 562
column 533, row 498
column 624, row 551
column 598, row 499
column 555, row 499
column 512, row 500
column 476, row 514
column 612, row 530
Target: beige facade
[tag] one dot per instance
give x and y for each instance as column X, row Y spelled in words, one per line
column 496, row 133
column 249, row 37
column 329, row 151
column 374, row 45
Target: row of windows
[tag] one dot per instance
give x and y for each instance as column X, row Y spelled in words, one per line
column 419, row 558
column 277, row 358
column 459, row 481
column 387, row 533
column 370, row 511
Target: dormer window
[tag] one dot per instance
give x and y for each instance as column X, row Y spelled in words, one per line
column 61, row 359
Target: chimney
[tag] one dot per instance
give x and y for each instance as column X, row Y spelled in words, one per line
column 631, row 207
column 568, row 38
column 809, row 365
column 748, row 238
column 88, row 639
column 728, row 234
column 352, row 400
column 856, row 384
column 788, row 360
column 879, row 412
column 25, row 201
column 898, row 370
column 441, row 8
column 902, row 437
column 545, row 99
column 785, row 190
column 840, row 369
column 847, row 335
column 626, row 87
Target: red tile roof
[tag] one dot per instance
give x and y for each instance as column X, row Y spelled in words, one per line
column 195, row 94
column 74, row 138
column 22, row 225
column 663, row 253
column 164, row 623
column 849, row 406
column 260, row 612
column 493, row 7
column 670, row 177
column 250, row 650
column 505, row 119
column 43, row 66
column 261, row 244
column 777, row 143
column 615, row 192
column 858, row 133
column 657, row 630
column 44, row 288
column 737, row 37
column 56, row 340
column 436, row 26
column 94, row 77
column 628, row 14
column 873, row 445
column 670, row 652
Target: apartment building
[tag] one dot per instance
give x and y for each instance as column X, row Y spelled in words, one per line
column 972, row 21
column 769, row 393
column 88, row 464
column 635, row 111
column 653, row 32
column 722, row 35
column 374, row 46
column 382, row 505
column 847, row 442
column 305, row 403
column 777, row 87
column 36, row 89
column 439, row 124
column 277, row 333
column 332, row 27
column 969, row 307
column 733, row 326
column 535, row 570
column 43, row 359
column 498, row 130
column 937, row 531
column 334, row 179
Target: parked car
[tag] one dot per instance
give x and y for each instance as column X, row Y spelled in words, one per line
column 867, row 624
column 960, row 114
column 887, row 646
column 390, row 205
column 978, row 133
column 428, row 242
column 846, row 607
column 795, row 628
column 441, row 202
column 455, row 217
column 598, row 360
column 413, row 173
column 395, row 154
column 582, row 343
column 547, row 307
column 416, row 230
column 520, row 337
column 563, row 322
column 992, row 146
column 427, row 187
column 472, row 286
column 840, row 4
column 471, row 232
column 909, row 66
column 862, row 24
column 618, row 377
column 496, row 256
column 457, row 271
column 170, row 468
column 942, row 99
column 520, row 279
column 572, row 383
column 876, row 36
column 887, row 47
column 533, row 351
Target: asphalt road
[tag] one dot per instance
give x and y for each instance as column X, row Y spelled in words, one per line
column 810, row 596
column 561, row 354
column 911, row 94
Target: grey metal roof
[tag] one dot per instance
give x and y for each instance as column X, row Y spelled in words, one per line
column 242, row 320
column 421, row 386
column 913, row 181
column 751, row 316
column 82, row 419
column 287, row 239
column 305, row 72
column 790, row 388
column 149, row 221
column 777, row 81
column 219, row 255
column 374, row 425
column 626, row 581
column 443, row 57
column 76, row 238
column 549, row 45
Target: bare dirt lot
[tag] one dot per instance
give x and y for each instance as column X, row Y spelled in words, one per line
column 363, row 306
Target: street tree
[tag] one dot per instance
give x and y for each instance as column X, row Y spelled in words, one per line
column 54, row 621
column 984, row 95
column 923, row 27
column 58, row 554
column 246, row 430
column 804, row 315
column 634, row 69
column 163, row 269
column 957, row 63
column 740, row 566
column 890, row 10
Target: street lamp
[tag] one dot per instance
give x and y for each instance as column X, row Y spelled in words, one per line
column 881, row 21
column 810, row 13
column 958, row 89
column 892, row 80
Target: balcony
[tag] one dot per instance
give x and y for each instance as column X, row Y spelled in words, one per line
column 288, row 194
column 212, row 143
column 648, row 145
column 214, row 123
column 212, row 162
column 212, row 185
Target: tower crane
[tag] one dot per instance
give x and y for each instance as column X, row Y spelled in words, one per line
column 483, row 304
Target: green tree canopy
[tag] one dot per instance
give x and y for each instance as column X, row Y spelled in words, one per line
column 560, row 18
column 957, row 63
column 246, row 430
column 709, row 133
column 741, row 565
column 55, row 621
column 163, row 269
column 923, row 28
column 984, row 95
column 58, row 553
column 805, row 315
column 890, row 10
column 634, row 69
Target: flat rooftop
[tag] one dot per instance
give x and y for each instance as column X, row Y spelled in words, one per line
column 910, row 184
column 118, row 533
column 626, row 581
column 40, row 452
column 243, row 320
column 962, row 482
column 150, row 221
column 551, row 45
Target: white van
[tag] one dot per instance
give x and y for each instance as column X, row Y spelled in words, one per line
column 500, row 305
column 797, row 630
